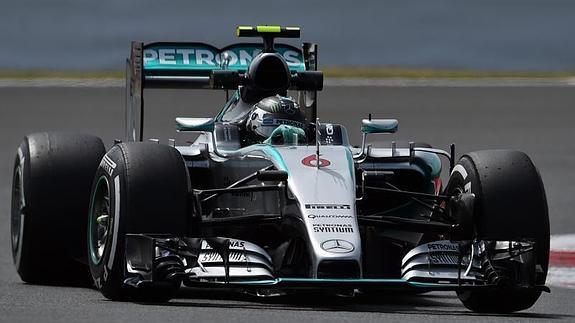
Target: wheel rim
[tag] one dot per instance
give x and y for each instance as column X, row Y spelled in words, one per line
column 17, row 214
column 100, row 220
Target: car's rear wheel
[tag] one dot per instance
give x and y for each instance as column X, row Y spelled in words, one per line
column 50, row 196
column 510, row 205
column 138, row 188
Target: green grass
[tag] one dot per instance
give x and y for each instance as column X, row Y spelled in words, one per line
column 331, row 72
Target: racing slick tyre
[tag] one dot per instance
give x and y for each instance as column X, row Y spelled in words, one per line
column 510, row 205
column 138, row 188
column 51, row 184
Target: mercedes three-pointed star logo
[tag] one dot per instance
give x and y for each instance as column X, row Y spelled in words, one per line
column 337, row 246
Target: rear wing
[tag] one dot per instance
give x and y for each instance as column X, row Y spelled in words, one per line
column 180, row 65
column 189, row 65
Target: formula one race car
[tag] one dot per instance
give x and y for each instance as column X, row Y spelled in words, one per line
column 268, row 200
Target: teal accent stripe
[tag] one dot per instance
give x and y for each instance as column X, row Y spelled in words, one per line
column 349, row 283
column 263, row 150
column 277, row 157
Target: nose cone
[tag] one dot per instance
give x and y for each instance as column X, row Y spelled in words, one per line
column 327, row 204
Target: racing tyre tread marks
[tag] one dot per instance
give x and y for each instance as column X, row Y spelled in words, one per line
column 50, row 198
column 510, row 205
column 148, row 185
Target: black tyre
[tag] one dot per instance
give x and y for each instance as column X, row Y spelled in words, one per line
column 53, row 174
column 138, row 188
column 510, row 205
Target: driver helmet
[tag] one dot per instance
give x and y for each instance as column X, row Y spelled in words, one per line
column 270, row 113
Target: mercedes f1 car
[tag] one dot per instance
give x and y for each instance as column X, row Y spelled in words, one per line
column 268, row 199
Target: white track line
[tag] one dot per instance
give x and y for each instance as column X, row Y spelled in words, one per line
column 562, row 275
column 563, row 242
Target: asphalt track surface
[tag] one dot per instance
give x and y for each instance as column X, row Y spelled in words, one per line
column 537, row 120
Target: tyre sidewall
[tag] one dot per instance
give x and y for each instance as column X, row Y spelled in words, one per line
column 108, row 273
column 20, row 254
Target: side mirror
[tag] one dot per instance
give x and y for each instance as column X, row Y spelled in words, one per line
column 369, row 126
column 379, row 126
column 195, row 124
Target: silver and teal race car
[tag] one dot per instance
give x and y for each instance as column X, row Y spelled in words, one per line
column 268, row 200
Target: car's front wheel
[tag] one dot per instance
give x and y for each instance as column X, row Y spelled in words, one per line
column 138, row 188
column 510, row 205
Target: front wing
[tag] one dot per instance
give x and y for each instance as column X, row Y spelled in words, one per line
column 240, row 265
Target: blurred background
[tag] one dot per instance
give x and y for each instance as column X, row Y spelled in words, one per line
column 488, row 35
